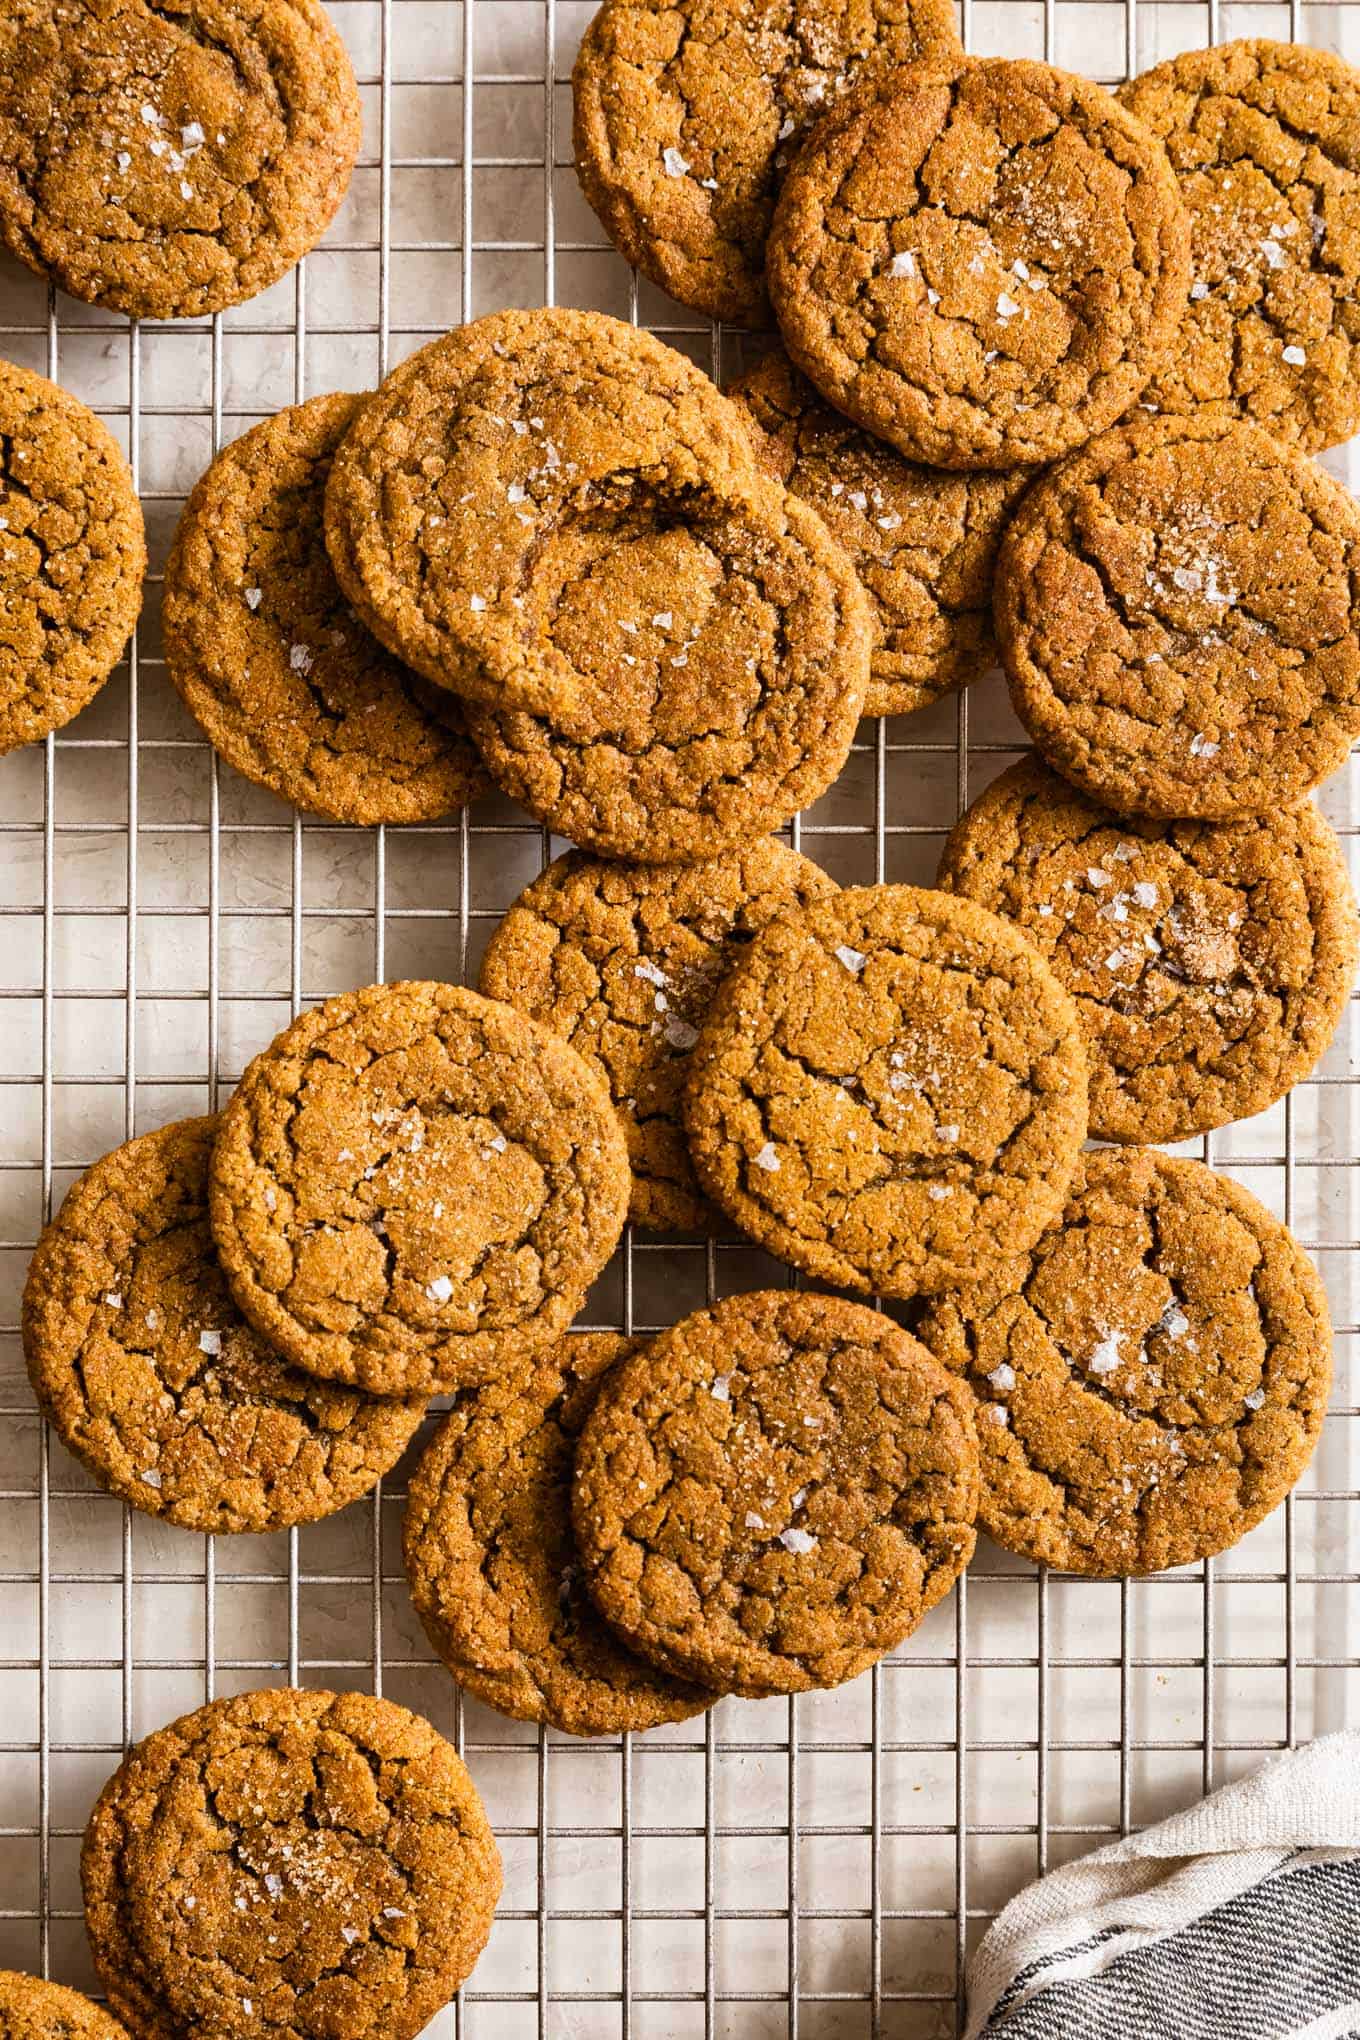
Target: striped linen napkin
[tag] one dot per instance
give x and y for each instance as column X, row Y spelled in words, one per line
column 1238, row 1919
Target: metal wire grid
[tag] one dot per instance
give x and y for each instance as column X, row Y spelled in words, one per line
column 762, row 1818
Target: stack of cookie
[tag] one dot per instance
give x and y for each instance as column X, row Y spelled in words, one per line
column 764, row 1499
column 237, row 1323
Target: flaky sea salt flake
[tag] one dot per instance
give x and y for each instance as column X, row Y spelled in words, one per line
column 1106, row 1356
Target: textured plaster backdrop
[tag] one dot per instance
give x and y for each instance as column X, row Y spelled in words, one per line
column 161, row 919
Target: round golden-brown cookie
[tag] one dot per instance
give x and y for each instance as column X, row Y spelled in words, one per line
column 493, row 1566
column 490, row 471
column 33, row 2010
column 413, row 1187
column 1210, row 961
column 622, row 960
column 982, row 262
column 1264, row 138
column 722, row 667
column 687, row 114
column 1178, row 609
column 268, row 657
column 773, row 1493
column 889, row 1092
column 170, row 161
column 72, row 555
column 922, row 541
column 286, row 1865
column 1151, row 1378
column 152, row 1378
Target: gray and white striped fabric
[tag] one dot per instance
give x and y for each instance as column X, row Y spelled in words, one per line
column 1236, row 1920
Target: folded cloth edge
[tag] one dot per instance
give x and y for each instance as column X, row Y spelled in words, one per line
column 1305, row 1799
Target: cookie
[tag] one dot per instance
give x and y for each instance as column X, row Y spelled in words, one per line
column 1210, row 962
column 1264, row 138
column 722, row 664
column 922, row 541
column 413, row 1187
column 490, row 468
column 1179, row 619
column 773, row 1493
column 622, row 960
column 269, row 659
column 151, row 1377
column 981, row 262
column 33, row 2010
column 72, row 555
column 285, row 1865
column 169, row 162
column 1151, row 1379
column 492, row 1562
column 889, row 1093
column 685, row 117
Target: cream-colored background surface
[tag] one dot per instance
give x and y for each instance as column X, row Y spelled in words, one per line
column 160, row 921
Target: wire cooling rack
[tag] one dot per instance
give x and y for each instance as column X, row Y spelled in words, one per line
column 816, row 1867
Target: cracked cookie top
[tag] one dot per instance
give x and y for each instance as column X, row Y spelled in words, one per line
column 722, row 662
column 1264, row 138
column 482, row 481
column 492, row 1562
column 773, row 1493
column 33, row 2010
column 1151, row 1379
column 982, row 262
column 890, row 1091
column 168, row 162
column 413, row 1187
column 72, row 555
column 687, row 114
column 269, row 658
column 1210, row 961
column 922, row 541
column 288, row 1864
column 153, row 1379
column 1178, row 609
column 622, row 960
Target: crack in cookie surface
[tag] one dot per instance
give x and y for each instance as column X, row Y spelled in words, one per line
column 268, row 656
column 982, row 262
column 414, row 1186
column 72, row 556
column 288, row 1864
column 889, row 1091
column 1151, row 1379
column 1178, row 608
column 773, row 1493
column 622, row 961
column 154, row 1380
column 493, row 1565
column 1210, row 962
column 1262, row 138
